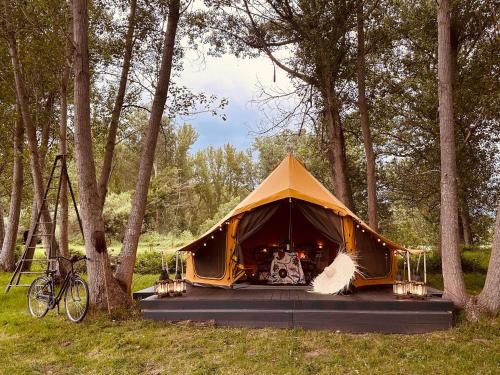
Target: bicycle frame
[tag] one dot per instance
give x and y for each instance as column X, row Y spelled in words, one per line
column 55, row 299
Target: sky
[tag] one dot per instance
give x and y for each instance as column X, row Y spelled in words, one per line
column 238, row 80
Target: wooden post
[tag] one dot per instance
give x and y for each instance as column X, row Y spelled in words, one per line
column 425, row 267
column 408, row 264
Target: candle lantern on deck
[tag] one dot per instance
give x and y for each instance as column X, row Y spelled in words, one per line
column 399, row 286
column 402, row 284
column 164, row 286
column 413, row 286
column 179, row 284
column 419, row 289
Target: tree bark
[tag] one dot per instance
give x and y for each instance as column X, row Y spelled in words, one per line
column 336, row 152
column 371, row 182
column 117, row 108
column 22, row 99
column 465, row 219
column 125, row 269
column 43, row 150
column 45, row 134
column 489, row 298
column 34, row 238
column 63, row 126
column 104, row 290
column 7, row 253
column 454, row 286
column 2, row 224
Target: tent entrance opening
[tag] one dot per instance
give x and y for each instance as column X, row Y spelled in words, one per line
column 296, row 242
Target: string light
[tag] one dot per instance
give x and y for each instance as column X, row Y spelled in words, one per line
column 212, row 236
column 205, row 244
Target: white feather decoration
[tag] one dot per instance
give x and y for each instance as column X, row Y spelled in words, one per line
column 337, row 276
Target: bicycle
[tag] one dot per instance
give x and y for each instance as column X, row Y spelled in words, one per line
column 42, row 296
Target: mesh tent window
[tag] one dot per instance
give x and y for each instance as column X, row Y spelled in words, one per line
column 210, row 260
column 372, row 256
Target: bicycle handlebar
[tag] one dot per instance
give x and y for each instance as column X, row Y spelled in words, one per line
column 73, row 259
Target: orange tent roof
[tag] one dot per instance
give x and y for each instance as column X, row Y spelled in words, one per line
column 290, row 179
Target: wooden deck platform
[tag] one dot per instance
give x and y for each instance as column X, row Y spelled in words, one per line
column 366, row 310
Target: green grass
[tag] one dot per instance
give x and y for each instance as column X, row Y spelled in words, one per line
column 101, row 345
column 114, row 247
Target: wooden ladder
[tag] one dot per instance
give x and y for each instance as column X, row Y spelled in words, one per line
column 44, row 229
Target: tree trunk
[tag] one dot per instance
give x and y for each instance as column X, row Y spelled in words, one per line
column 2, row 224
column 454, row 286
column 115, row 114
column 45, row 134
column 34, row 239
column 104, row 290
column 489, row 298
column 22, row 99
column 128, row 254
column 42, row 152
column 336, row 152
column 7, row 254
column 371, row 182
column 465, row 219
column 63, row 126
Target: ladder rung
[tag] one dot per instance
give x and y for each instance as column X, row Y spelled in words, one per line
column 38, row 260
column 18, row 286
column 32, row 272
column 44, row 234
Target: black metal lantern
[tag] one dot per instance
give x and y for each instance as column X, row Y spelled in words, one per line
column 164, row 286
column 179, row 283
column 411, row 285
column 399, row 287
column 419, row 289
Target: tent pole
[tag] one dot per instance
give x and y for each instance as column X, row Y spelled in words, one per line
column 290, row 223
column 425, row 269
column 408, row 265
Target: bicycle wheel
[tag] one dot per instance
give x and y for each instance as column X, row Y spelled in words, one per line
column 39, row 296
column 76, row 299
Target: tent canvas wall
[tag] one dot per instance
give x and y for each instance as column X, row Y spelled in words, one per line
column 290, row 195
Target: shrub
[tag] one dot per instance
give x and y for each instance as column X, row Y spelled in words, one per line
column 149, row 262
column 472, row 261
column 115, row 214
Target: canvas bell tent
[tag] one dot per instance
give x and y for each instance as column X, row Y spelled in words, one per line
column 290, row 212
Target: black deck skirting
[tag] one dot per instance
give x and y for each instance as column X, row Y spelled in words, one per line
column 368, row 310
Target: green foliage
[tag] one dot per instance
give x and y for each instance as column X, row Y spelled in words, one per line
column 475, row 261
column 115, row 214
column 149, row 262
column 219, row 175
column 408, row 227
column 222, row 211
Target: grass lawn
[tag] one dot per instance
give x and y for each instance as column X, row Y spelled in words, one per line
column 101, row 345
